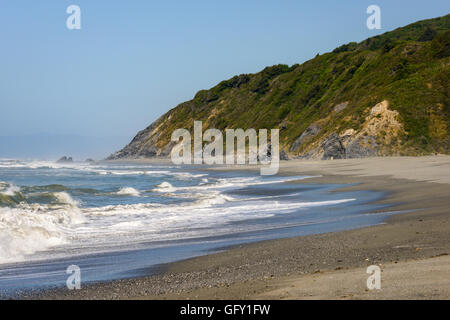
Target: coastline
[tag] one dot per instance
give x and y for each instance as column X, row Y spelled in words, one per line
column 277, row 268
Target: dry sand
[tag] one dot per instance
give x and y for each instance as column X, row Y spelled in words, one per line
column 411, row 248
column 417, row 279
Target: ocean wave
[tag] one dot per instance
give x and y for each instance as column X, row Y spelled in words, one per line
column 129, row 191
column 42, row 165
column 10, row 194
column 165, row 187
column 65, row 198
column 218, row 198
column 35, row 219
column 11, row 190
column 119, row 172
column 30, row 228
column 224, row 184
column 133, row 171
column 45, row 188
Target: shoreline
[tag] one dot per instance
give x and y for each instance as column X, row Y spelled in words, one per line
column 274, row 268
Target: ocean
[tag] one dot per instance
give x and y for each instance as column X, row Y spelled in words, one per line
column 125, row 220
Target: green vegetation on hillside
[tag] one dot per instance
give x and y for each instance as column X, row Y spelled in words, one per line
column 408, row 67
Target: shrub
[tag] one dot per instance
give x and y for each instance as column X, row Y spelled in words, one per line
column 427, row 35
column 441, row 45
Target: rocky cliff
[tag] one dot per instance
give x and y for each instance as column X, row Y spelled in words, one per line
column 388, row 95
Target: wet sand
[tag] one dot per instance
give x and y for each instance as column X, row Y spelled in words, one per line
column 410, row 248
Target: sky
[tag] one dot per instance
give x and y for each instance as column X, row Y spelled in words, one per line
column 132, row 61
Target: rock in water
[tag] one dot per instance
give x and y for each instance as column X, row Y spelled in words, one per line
column 65, row 160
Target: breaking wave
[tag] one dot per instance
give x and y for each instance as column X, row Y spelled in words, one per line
column 128, row 191
column 165, row 187
column 89, row 209
column 28, row 228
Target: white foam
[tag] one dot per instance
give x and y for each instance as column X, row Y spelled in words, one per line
column 27, row 229
column 217, row 199
column 119, row 172
column 11, row 190
column 127, row 225
column 165, row 187
column 42, row 165
column 65, row 198
column 129, row 191
column 15, row 244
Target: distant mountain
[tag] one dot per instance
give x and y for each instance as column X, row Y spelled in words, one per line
column 387, row 95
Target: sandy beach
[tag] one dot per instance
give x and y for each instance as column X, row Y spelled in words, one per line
column 412, row 248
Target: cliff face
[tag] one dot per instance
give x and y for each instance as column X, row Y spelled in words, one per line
column 388, row 95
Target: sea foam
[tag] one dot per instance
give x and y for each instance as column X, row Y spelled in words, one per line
column 129, row 191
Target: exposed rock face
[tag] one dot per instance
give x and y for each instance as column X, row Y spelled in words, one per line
column 142, row 146
column 382, row 121
column 360, row 148
column 329, row 94
column 310, row 132
column 283, row 155
column 65, row 160
column 380, row 126
column 333, row 148
column 341, row 106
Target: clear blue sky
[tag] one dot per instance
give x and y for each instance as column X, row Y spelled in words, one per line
column 134, row 60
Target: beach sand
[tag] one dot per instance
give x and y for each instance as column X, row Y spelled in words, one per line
column 412, row 249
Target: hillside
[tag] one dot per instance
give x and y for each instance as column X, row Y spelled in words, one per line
column 387, row 95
